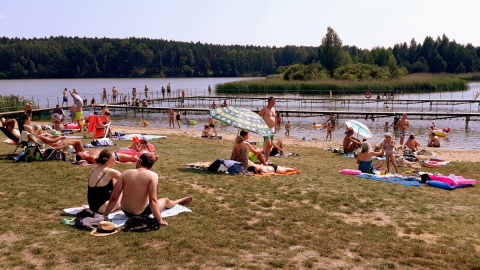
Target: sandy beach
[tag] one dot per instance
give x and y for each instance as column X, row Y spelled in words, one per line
column 461, row 155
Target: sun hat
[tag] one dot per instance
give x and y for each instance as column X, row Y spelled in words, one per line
column 365, row 146
column 389, row 134
column 143, row 138
column 105, row 228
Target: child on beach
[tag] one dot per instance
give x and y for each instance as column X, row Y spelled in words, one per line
column 388, row 146
column 329, row 131
column 385, row 128
column 287, row 128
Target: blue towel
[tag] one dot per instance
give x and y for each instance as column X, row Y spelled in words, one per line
column 406, row 181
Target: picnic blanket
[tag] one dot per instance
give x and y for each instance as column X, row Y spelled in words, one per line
column 149, row 137
column 406, row 181
column 119, row 218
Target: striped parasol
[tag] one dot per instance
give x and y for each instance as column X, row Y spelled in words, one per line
column 241, row 118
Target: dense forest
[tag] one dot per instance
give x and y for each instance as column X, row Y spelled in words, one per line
column 75, row 57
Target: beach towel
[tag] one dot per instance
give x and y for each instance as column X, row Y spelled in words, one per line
column 148, row 137
column 277, row 174
column 406, row 181
column 197, row 165
column 119, row 218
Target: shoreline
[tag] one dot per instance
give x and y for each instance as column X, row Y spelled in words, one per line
column 452, row 155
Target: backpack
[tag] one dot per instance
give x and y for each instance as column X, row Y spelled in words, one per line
column 52, row 154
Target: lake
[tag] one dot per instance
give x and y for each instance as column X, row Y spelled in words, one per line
column 48, row 92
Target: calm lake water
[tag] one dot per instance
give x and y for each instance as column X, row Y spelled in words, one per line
column 48, row 92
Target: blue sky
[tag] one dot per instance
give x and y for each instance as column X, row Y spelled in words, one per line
column 363, row 23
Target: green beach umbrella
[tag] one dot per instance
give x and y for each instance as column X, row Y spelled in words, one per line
column 241, row 118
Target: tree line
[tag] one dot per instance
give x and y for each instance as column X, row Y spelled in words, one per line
column 75, row 57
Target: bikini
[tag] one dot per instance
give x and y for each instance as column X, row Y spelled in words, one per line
column 97, row 196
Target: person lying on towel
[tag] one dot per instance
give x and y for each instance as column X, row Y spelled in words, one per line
column 270, row 169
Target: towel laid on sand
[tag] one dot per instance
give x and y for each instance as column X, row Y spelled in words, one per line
column 119, row 218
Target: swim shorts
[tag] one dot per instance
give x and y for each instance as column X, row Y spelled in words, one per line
column 78, row 116
column 402, row 133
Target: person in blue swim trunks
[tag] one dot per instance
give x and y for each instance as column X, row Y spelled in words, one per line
column 364, row 159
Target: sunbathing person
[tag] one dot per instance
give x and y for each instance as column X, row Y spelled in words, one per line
column 277, row 147
column 9, row 125
column 206, row 132
column 412, row 143
column 242, row 148
column 141, row 144
column 101, row 182
column 91, row 156
column 270, row 169
column 139, row 188
column 364, row 159
column 56, row 141
column 350, row 143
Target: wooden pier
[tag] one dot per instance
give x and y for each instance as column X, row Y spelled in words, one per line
column 299, row 107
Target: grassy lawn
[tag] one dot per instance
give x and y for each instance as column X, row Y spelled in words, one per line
column 318, row 219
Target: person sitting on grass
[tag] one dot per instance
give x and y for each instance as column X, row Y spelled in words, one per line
column 350, row 143
column 101, row 182
column 138, row 188
column 56, row 141
column 277, row 148
column 206, row 132
column 412, row 143
column 269, row 169
column 242, row 149
column 92, row 155
column 364, row 159
column 140, row 144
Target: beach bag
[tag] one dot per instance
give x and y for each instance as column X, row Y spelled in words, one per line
column 30, row 153
column 52, row 154
column 215, row 165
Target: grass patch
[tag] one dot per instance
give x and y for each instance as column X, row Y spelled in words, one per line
column 318, row 219
column 408, row 84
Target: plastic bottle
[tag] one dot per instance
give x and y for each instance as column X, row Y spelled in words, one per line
column 19, row 156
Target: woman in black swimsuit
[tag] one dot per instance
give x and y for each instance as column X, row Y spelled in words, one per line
column 101, row 182
column 179, row 118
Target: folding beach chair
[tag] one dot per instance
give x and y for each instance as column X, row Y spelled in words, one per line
column 96, row 126
column 49, row 151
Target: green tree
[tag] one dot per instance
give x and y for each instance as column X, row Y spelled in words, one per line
column 330, row 52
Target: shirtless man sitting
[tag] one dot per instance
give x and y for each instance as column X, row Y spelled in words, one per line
column 139, row 189
column 91, row 156
column 350, row 143
column 433, row 141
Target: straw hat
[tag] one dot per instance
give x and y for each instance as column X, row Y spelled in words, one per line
column 105, row 228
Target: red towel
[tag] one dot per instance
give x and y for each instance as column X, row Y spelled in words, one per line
column 93, row 120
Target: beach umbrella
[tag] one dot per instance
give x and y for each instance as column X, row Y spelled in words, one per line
column 241, row 118
column 359, row 128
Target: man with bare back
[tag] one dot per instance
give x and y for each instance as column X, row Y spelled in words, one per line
column 269, row 116
column 139, row 187
column 403, row 125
